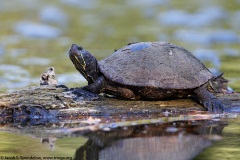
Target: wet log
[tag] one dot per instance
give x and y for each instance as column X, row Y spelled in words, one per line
column 62, row 102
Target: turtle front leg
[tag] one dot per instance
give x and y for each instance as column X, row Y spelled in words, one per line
column 100, row 86
column 208, row 100
column 96, row 87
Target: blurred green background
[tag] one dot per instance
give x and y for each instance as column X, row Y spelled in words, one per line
column 35, row 35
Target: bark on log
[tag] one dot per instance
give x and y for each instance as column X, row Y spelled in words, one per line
column 61, row 102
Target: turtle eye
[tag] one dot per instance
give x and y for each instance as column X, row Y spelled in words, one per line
column 79, row 48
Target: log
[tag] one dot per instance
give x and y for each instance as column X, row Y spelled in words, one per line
column 51, row 101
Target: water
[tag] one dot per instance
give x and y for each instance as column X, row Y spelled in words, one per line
column 37, row 35
column 197, row 135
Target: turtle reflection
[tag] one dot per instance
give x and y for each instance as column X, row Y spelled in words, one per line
column 178, row 140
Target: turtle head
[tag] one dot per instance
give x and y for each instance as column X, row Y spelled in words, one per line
column 85, row 63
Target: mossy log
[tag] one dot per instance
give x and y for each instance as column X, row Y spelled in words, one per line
column 60, row 102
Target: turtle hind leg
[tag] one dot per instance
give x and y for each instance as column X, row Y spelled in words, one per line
column 208, row 100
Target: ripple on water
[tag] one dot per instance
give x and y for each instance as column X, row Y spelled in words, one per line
column 231, row 52
column 209, row 56
column 192, row 36
column 12, row 76
column 35, row 61
column 173, row 18
column 208, row 16
column 2, row 50
column 53, row 14
column 235, row 20
column 146, row 3
column 224, row 36
column 35, row 30
column 207, row 37
column 89, row 4
column 203, row 17
column 17, row 51
column 18, row 5
column 70, row 78
column 11, row 39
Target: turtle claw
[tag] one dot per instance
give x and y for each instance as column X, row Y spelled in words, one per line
column 213, row 105
column 207, row 105
column 217, row 106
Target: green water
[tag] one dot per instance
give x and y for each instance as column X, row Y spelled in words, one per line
column 213, row 139
column 228, row 148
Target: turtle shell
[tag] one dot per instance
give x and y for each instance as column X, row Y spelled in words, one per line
column 155, row 64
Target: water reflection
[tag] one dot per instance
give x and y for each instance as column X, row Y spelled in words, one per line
column 125, row 137
column 178, row 140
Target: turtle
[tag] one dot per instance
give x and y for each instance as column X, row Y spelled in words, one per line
column 148, row 71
